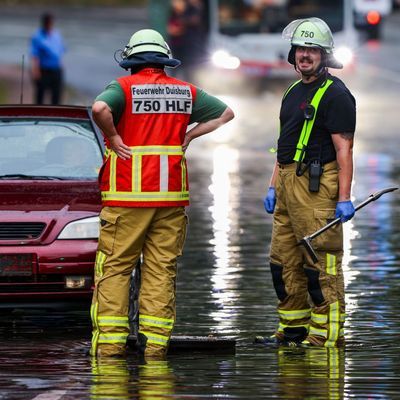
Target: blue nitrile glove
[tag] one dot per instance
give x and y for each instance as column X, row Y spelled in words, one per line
column 270, row 200
column 344, row 210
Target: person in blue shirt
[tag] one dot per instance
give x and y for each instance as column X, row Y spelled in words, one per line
column 47, row 50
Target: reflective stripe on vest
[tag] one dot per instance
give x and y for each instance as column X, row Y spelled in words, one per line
column 136, row 194
column 153, row 125
column 309, row 123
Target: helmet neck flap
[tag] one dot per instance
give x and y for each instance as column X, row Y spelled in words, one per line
column 147, row 46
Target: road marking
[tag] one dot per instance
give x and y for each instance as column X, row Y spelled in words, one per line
column 52, row 395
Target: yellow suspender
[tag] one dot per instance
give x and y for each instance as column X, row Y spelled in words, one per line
column 308, row 124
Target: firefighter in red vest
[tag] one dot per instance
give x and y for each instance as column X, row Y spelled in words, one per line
column 144, row 187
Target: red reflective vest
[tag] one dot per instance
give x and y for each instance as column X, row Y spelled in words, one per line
column 153, row 125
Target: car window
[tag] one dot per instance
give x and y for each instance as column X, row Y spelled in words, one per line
column 53, row 148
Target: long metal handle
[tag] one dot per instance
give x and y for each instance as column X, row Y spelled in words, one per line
column 372, row 197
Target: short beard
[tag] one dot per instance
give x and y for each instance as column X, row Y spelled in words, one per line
column 308, row 73
column 311, row 74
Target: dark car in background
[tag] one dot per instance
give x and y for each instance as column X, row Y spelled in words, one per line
column 49, row 206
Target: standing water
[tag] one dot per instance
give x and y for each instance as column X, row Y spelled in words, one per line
column 224, row 289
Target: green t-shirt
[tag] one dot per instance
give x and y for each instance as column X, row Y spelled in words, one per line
column 205, row 107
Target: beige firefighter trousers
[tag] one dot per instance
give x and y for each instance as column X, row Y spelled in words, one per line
column 158, row 234
column 311, row 295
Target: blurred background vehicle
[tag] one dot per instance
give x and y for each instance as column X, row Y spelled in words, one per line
column 243, row 38
column 369, row 16
column 49, row 161
column 246, row 35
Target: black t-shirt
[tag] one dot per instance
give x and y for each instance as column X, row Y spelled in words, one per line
column 336, row 114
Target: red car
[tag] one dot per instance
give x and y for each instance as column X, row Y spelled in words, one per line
column 49, row 205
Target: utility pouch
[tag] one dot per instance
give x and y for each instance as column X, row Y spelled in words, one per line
column 315, row 172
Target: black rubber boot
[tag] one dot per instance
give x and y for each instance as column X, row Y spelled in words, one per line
column 269, row 341
column 295, row 335
column 292, row 338
column 141, row 342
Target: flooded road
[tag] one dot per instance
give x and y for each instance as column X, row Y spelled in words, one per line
column 224, row 285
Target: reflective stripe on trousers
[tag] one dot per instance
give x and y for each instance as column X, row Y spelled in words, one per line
column 298, row 213
column 126, row 233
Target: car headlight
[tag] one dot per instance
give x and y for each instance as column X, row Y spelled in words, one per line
column 344, row 55
column 223, row 59
column 87, row 228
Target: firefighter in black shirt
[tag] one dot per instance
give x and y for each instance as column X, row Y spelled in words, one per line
column 311, row 185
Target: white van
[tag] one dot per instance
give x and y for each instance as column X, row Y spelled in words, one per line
column 246, row 35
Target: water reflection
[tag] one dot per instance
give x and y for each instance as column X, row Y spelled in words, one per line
column 350, row 275
column 110, row 379
column 119, row 379
column 373, row 256
column 311, row 373
column 225, row 194
column 156, row 380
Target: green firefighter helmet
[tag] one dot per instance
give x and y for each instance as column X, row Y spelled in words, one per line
column 146, row 40
column 311, row 32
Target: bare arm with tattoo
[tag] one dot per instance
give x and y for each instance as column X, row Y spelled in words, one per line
column 343, row 143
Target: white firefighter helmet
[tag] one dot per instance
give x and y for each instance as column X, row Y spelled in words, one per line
column 146, row 40
column 311, row 32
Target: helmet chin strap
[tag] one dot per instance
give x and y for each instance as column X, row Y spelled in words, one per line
column 321, row 70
